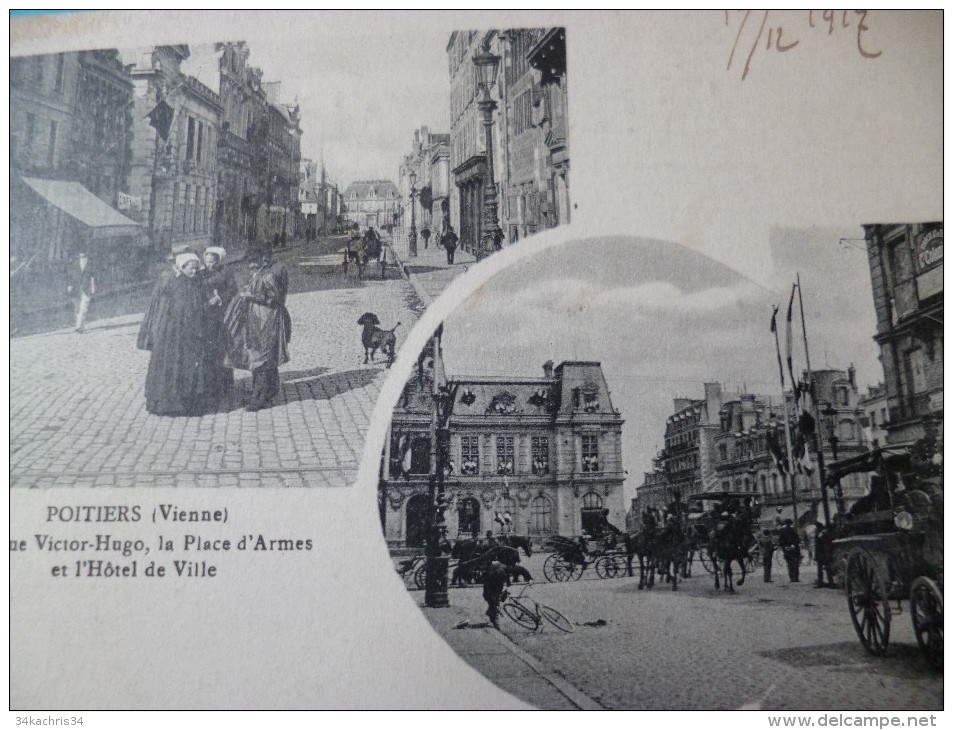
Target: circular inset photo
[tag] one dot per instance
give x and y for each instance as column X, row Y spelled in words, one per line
column 622, row 475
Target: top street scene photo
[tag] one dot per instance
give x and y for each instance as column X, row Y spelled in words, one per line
column 217, row 250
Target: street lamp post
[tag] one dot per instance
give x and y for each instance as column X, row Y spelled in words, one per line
column 487, row 64
column 412, row 238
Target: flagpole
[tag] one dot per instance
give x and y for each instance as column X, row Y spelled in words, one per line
column 435, row 594
column 817, row 416
column 787, row 422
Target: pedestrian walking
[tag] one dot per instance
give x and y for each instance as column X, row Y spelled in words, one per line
column 372, row 244
column 494, row 583
column 824, row 555
column 220, row 289
column 766, row 543
column 449, row 242
column 388, row 258
column 790, row 544
column 259, row 327
column 82, row 287
column 179, row 376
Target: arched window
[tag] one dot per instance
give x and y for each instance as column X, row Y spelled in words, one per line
column 593, row 520
column 540, row 516
column 591, row 500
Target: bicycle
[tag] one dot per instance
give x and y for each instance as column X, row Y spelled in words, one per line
column 532, row 618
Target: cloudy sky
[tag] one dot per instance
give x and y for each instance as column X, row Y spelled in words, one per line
column 662, row 319
column 361, row 97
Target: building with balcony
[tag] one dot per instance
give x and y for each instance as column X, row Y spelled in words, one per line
column 546, row 451
column 906, row 270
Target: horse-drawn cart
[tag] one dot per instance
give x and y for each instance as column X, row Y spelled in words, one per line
column 570, row 558
column 890, row 548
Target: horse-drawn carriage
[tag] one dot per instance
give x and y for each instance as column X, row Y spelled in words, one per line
column 470, row 559
column 571, row 556
column 890, row 549
column 721, row 532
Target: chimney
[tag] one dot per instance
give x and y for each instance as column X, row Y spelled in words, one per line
column 852, row 376
column 548, row 369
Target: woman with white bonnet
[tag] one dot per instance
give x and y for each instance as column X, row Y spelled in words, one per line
column 220, row 289
column 179, row 376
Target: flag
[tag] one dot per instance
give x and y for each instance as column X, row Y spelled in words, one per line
column 774, row 331
column 789, row 342
column 161, row 119
column 774, row 446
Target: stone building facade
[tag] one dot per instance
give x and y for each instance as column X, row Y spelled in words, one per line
column 429, row 161
column 530, row 132
column 371, row 203
column 175, row 178
column 722, row 442
column 70, row 135
column 545, row 451
column 906, row 268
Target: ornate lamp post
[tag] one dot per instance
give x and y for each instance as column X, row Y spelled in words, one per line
column 412, row 238
column 487, row 65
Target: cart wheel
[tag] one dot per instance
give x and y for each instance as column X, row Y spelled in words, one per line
column 868, row 603
column 420, row 577
column 606, row 567
column 548, row 567
column 621, row 565
column 706, row 560
column 562, row 569
column 926, row 610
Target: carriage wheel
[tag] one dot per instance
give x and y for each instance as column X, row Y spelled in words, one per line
column 621, row 565
column 548, row 567
column 868, row 603
column 420, row 577
column 556, row 618
column 606, row 567
column 521, row 615
column 926, row 610
column 707, row 563
column 565, row 570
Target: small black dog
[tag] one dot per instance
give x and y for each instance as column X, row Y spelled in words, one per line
column 374, row 338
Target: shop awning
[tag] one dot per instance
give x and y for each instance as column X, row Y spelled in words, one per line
column 80, row 204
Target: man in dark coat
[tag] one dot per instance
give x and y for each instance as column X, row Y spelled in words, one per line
column 766, row 543
column 259, row 328
column 790, row 544
column 82, row 287
column 179, row 376
column 494, row 583
column 449, row 242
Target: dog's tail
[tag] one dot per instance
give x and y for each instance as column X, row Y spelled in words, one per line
column 394, row 327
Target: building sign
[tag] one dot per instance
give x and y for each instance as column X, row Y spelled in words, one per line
column 930, row 249
column 128, row 202
column 930, row 283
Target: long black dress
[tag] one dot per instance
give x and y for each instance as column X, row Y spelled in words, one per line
column 220, row 282
column 180, row 376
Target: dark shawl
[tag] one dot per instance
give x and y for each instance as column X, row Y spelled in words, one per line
column 259, row 327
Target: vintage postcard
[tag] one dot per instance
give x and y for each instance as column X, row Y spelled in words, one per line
column 338, row 382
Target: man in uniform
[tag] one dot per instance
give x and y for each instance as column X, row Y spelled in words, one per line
column 494, row 582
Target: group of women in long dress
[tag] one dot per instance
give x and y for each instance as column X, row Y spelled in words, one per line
column 200, row 326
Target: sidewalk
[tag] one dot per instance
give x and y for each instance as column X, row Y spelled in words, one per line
column 428, row 271
column 501, row 661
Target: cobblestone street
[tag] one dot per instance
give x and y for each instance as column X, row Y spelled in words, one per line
column 78, row 413
column 776, row 646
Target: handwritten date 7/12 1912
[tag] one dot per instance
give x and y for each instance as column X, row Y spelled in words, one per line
column 760, row 32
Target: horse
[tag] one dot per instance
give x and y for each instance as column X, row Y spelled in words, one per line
column 642, row 544
column 474, row 557
column 671, row 550
column 727, row 544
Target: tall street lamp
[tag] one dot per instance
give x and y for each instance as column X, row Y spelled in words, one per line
column 487, row 64
column 412, row 238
